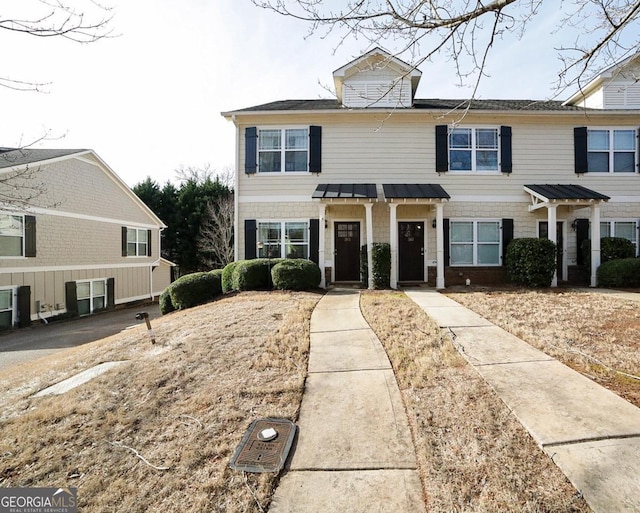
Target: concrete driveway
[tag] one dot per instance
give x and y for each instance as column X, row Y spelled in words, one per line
column 40, row 340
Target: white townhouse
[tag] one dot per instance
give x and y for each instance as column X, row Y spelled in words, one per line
column 447, row 183
column 81, row 241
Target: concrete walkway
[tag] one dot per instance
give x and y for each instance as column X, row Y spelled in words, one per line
column 592, row 434
column 355, row 452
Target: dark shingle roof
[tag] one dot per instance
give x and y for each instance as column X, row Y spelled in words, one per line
column 566, row 192
column 421, row 104
column 345, row 190
column 10, row 157
column 414, row 191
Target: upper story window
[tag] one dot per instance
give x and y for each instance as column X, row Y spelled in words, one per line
column 473, row 149
column 271, row 150
column 283, row 150
column 475, row 242
column 468, row 149
column 11, row 235
column 136, row 242
column 611, row 151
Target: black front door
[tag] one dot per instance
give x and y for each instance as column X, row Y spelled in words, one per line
column 544, row 234
column 411, row 251
column 347, row 251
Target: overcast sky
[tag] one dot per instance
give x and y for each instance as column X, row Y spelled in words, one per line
column 149, row 101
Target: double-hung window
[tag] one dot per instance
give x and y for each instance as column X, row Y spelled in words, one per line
column 6, row 308
column 627, row 229
column 11, row 235
column 475, row 242
column 283, row 150
column 283, row 239
column 611, row 150
column 473, row 149
column 137, row 242
column 92, row 296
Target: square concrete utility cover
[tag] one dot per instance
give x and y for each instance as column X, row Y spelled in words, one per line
column 265, row 446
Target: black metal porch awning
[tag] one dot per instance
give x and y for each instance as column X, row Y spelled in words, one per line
column 414, row 191
column 345, row 191
column 569, row 192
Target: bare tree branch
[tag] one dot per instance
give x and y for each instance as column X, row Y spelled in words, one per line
column 216, row 232
column 605, row 30
column 53, row 18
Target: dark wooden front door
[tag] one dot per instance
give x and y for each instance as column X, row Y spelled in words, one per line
column 411, row 251
column 347, row 251
column 544, row 234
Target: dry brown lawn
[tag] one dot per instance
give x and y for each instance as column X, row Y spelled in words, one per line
column 595, row 334
column 183, row 404
column 473, row 455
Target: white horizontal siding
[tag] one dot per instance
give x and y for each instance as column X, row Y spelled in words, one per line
column 379, row 148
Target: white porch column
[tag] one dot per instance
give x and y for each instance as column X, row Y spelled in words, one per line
column 322, row 209
column 595, row 243
column 393, row 242
column 369, row 219
column 440, row 246
column 552, row 217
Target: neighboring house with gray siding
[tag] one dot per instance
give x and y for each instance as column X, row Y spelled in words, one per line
column 447, row 183
column 81, row 242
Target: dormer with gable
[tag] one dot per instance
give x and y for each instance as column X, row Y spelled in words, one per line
column 376, row 79
column 617, row 87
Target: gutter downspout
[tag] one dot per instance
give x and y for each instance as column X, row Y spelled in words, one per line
column 236, row 194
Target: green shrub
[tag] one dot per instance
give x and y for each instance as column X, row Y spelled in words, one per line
column 531, row 262
column 227, row 277
column 254, row 274
column 381, row 261
column 165, row 303
column 216, row 281
column 364, row 266
column 295, row 274
column 623, row 272
column 611, row 248
column 194, row 289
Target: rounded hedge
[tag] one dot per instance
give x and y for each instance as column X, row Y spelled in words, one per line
column 227, row 277
column 531, row 262
column 195, row 289
column 165, row 303
column 611, row 248
column 624, row 272
column 295, row 274
column 253, row 274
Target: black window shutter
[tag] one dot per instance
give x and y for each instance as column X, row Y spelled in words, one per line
column 111, row 292
column 442, row 148
column 506, row 165
column 30, row 236
column 149, row 243
column 24, row 306
column 250, row 227
column 314, row 240
column 250, row 150
column 638, row 150
column 315, row 149
column 580, row 149
column 447, row 253
column 124, row 241
column 507, row 237
column 71, row 297
column 582, row 234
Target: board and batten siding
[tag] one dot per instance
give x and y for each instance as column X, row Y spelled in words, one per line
column 48, row 287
